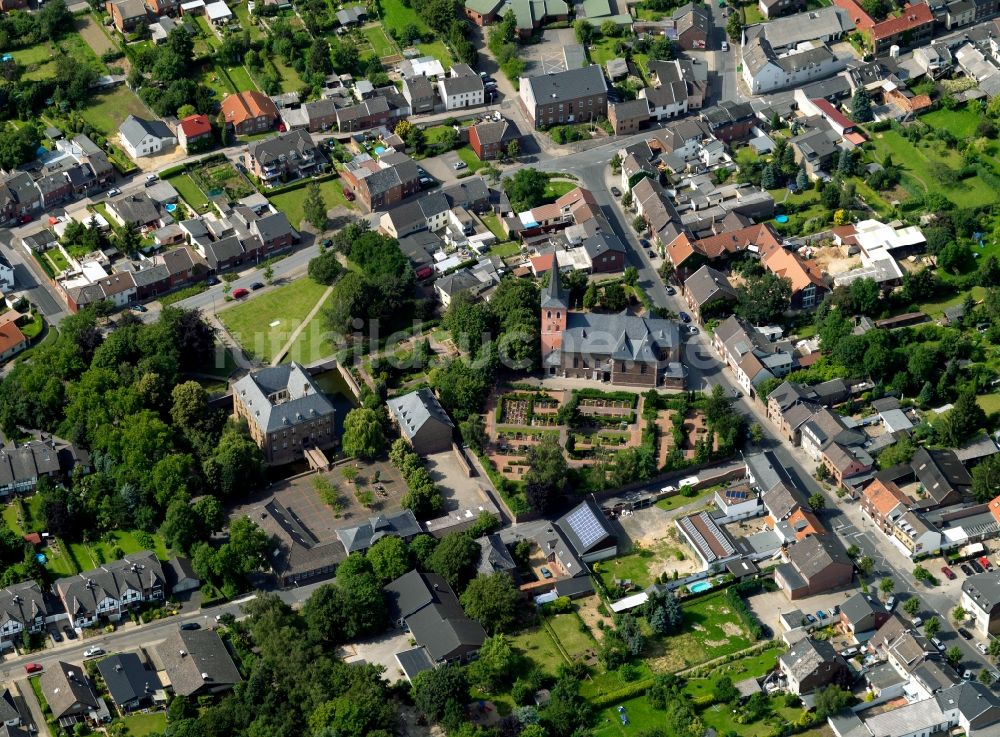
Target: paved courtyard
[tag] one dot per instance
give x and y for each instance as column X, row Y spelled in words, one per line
column 380, row 650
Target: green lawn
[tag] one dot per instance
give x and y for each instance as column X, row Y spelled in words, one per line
column 396, row 16
column 290, row 203
column 573, row 634
column 89, row 555
column 506, row 250
column 556, row 188
column 936, row 309
column 752, row 666
column 107, row 111
column 492, row 222
column 438, row 50
column 265, row 322
column 313, row 343
column 241, row 78
column 679, row 500
column 211, row 78
column 752, row 14
column 989, row 402
column 467, row 155
column 189, row 191
column 381, row 43
column 537, row 645
column 290, row 79
column 139, row 725
column 242, row 12
column 635, row 566
column 961, row 123
column 40, row 60
column 930, row 166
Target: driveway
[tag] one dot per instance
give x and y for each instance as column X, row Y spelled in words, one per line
column 380, row 651
column 460, row 491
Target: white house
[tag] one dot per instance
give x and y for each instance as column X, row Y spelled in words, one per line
column 765, row 71
column 738, row 502
column 218, row 13
column 6, row 274
column 462, row 89
column 141, row 137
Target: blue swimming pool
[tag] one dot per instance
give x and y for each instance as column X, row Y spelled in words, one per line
column 781, row 219
column 699, row 586
column 40, row 557
column 379, row 150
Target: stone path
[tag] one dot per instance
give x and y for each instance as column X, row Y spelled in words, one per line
column 302, row 326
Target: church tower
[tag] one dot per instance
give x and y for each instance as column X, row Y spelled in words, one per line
column 554, row 307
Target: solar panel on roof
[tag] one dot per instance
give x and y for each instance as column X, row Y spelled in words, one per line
column 586, row 526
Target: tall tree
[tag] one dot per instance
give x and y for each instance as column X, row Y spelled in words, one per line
column 314, row 207
column 861, row 106
column 363, row 435
column 492, row 600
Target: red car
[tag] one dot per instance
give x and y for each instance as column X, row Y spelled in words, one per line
column 240, row 293
column 985, row 563
column 33, row 667
column 348, row 194
column 948, row 573
column 27, row 218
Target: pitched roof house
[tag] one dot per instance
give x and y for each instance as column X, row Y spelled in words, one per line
column 811, row 664
column 815, row 565
column 250, row 112
column 112, row 589
column 68, row 692
column 197, row 662
column 422, row 421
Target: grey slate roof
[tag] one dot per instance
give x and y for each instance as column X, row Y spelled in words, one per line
column 815, row 553
column 297, row 144
column 67, row 690
column 414, row 661
column 976, row 702
column 134, row 129
column 462, row 80
column 415, row 409
column 22, row 602
column 127, row 679
column 362, row 537
column 433, row 615
column 767, row 471
column 561, row 86
column 708, row 285
column 807, row 655
column 305, row 400
column 857, row 608
column 553, row 294
column 196, row 659
column 136, row 572
column 622, row 337
column 494, row 556
column 8, row 712
column 940, row 472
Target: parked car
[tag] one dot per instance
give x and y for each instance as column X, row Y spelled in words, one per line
column 327, row 242
column 917, row 621
column 257, row 285
column 968, row 675
column 33, row 668
column 964, row 633
column 140, row 308
column 685, row 317
column 240, row 293
column 616, row 192
column 152, row 177
column 821, row 614
column 348, row 194
column 810, row 619
column 69, row 632
column 890, row 603
column 981, row 648
column 974, row 565
column 27, row 218
column 966, row 570
column 985, row 563
column 114, row 192
column 670, row 290
column 212, row 281
column 849, row 652
column 725, row 46
column 190, row 626
column 56, row 637
column 458, row 165
column 91, row 652
column 546, row 573
column 948, row 573
column 834, row 610
column 938, row 644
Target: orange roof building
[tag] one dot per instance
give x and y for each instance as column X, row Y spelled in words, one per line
column 879, row 498
column 995, row 508
column 806, row 279
column 250, row 112
column 914, row 26
column 12, row 340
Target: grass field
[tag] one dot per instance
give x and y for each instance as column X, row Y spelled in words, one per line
column 505, row 250
column 538, row 645
column 635, row 566
column 396, row 16
column 89, row 555
column 467, row 155
column 242, row 11
column 291, row 203
column 679, row 500
column 573, row 634
column 139, row 725
column 961, row 123
column 40, row 60
column 989, row 402
column 108, row 110
column 558, row 187
column 438, row 50
column 381, row 43
column 492, row 222
column 189, row 191
column 930, row 166
column 313, row 343
column 241, row 78
column 265, row 322
column 290, row 79
column 936, row 309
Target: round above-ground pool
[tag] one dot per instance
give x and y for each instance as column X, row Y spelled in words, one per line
column 379, row 150
column 699, row 586
column 781, row 219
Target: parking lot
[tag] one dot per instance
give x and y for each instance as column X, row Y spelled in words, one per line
column 547, row 57
column 459, row 491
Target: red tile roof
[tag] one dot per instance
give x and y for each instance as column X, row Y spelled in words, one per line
column 11, row 337
column 248, row 105
column 543, row 263
column 913, row 16
column 833, row 114
column 196, row 125
column 862, row 20
column 787, row 264
column 737, row 240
